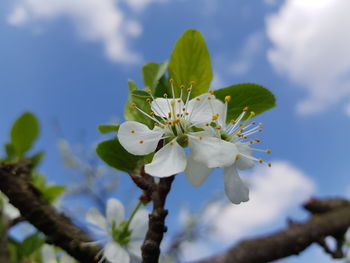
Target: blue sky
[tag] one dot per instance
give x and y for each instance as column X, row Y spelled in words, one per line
column 69, row 62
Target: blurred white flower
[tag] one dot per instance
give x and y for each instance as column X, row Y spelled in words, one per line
column 123, row 239
column 9, row 212
column 48, row 254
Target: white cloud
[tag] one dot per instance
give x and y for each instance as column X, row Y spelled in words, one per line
column 140, row 5
column 270, row 2
column 310, row 44
column 273, row 192
column 95, row 20
column 251, row 47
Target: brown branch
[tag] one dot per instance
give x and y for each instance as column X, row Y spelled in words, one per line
column 329, row 218
column 156, row 226
column 59, row 230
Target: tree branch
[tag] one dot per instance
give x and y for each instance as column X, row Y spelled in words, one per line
column 156, row 226
column 59, row 230
column 329, row 218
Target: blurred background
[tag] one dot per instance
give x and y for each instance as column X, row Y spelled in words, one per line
column 68, row 61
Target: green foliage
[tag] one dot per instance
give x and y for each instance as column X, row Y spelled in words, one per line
column 139, row 97
column 50, row 193
column 190, row 61
column 24, row 132
column 30, row 245
column 114, row 154
column 37, row 158
column 254, row 96
column 107, row 128
column 152, row 73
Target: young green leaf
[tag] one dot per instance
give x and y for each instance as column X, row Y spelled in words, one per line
column 37, row 158
column 190, row 61
column 112, row 153
column 24, row 132
column 152, row 73
column 254, row 96
column 139, row 98
column 107, row 128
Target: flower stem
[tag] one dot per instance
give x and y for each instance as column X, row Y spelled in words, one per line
column 133, row 213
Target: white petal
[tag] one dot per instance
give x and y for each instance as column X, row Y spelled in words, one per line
column 137, row 138
column 139, row 224
column 66, row 259
column 162, row 107
column 135, row 248
column 212, row 151
column 48, row 253
column 94, row 217
column 196, row 172
column 115, row 253
column 235, row 189
column 243, row 162
column 169, row 160
column 10, row 211
column 115, row 211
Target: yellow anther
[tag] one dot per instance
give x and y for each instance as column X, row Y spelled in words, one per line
column 244, row 137
column 185, row 139
column 209, row 98
column 257, row 140
column 169, row 114
column 186, row 113
column 133, row 104
column 178, row 101
column 240, row 125
column 268, row 151
column 198, row 99
column 171, row 143
column 245, row 108
column 215, row 117
column 148, row 100
column 218, row 127
column 261, row 161
column 251, row 141
column 260, row 130
column 269, row 164
column 165, row 95
column 171, row 80
column 200, row 137
column 183, row 109
column 253, row 122
column 228, row 98
column 132, row 131
column 233, row 121
column 211, row 92
column 207, row 124
column 237, row 156
column 252, row 113
column 192, row 82
column 182, row 87
column 151, row 113
column 189, row 90
column 178, row 115
column 141, row 141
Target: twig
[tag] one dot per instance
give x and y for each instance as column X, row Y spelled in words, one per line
column 59, row 230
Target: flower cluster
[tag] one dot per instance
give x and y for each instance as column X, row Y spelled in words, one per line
column 200, row 124
column 122, row 238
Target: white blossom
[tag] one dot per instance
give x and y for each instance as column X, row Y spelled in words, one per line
column 175, row 122
column 122, row 239
column 49, row 256
column 234, row 133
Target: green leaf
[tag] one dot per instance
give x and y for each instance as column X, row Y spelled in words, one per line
column 152, row 73
column 107, row 128
column 114, row 154
column 31, row 244
column 24, row 132
column 139, row 97
column 52, row 192
column 254, row 96
column 190, row 61
column 132, row 85
column 10, row 151
column 37, row 158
